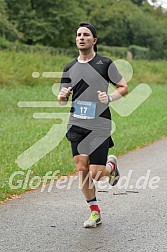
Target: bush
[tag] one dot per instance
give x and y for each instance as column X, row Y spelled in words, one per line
column 5, row 44
column 120, row 52
column 139, row 52
column 19, row 47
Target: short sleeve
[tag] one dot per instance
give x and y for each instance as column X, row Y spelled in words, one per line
column 65, row 79
column 113, row 74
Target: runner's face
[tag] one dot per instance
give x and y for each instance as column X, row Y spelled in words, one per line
column 85, row 39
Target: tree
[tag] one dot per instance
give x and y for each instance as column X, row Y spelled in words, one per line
column 7, row 30
column 138, row 2
column 47, row 22
column 113, row 23
column 148, row 32
column 53, row 23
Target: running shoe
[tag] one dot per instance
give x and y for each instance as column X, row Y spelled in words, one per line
column 114, row 175
column 94, row 220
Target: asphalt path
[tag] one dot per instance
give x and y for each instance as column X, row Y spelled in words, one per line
column 134, row 213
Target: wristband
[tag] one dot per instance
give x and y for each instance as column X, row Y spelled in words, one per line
column 110, row 98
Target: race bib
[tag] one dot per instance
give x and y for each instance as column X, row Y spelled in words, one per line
column 84, row 109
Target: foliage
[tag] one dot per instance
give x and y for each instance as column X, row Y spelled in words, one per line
column 151, row 35
column 45, row 21
column 20, row 47
column 139, row 52
column 54, row 23
column 110, row 51
column 7, row 29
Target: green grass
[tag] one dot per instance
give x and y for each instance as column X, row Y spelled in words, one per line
column 145, row 125
column 17, row 68
column 19, row 130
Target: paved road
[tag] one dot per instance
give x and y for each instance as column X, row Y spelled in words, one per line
column 133, row 221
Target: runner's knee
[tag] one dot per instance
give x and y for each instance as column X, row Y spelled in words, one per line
column 82, row 168
column 82, row 164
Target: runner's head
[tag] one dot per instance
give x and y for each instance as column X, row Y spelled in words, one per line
column 91, row 29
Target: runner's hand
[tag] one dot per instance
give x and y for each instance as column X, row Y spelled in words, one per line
column 103, row 97
column 65, row 93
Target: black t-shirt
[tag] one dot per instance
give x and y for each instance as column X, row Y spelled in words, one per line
column 86, row 79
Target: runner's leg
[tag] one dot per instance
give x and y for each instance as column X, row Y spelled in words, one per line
column 86, row 183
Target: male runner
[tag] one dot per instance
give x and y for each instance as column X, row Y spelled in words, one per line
column 86, row 79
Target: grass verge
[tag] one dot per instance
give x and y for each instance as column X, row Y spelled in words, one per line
column 19, row 130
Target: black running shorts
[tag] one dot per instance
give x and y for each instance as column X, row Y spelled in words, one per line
column 91, row 143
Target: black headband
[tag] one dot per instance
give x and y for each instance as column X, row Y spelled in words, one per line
column 92, row 29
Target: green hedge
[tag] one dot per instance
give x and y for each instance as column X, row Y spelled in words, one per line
column 17, row 46
column 139, row 52
column 5, row 44
column 120, row 52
